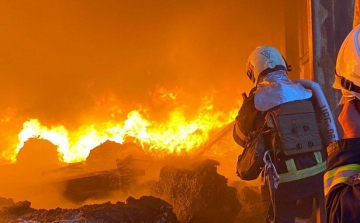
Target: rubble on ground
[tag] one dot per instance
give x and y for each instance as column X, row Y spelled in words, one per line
column 5, row 202
column 146, row 209
column 252, row 208
column 110, row 168
column 198, row 194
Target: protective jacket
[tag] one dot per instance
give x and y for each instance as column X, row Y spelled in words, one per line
column 342, row 181
column 301, row 176
column 302, row 173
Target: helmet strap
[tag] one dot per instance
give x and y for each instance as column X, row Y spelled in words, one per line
column 346, row 84
column 288, row 67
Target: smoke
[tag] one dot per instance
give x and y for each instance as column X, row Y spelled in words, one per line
column 77, row 62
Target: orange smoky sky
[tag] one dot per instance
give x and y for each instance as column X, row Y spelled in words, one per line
column 63, row 61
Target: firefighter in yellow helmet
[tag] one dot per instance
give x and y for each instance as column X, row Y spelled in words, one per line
column 283, row 112
column 342, row 177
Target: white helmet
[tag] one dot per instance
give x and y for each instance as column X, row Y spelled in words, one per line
column 347, row 77
column 263, row 60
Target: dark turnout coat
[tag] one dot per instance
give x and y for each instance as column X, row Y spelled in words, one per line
column 305, row 178
column 342, row 181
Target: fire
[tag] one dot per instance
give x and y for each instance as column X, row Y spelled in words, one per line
column 177, row 134
column 58, row 135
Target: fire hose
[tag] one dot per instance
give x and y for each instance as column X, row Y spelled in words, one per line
column 326, row 115
column 272, row 179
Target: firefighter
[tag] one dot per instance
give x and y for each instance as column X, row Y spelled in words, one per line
column 300, row 173
column 342, row 177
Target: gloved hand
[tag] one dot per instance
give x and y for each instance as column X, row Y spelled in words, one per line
column 349, row 120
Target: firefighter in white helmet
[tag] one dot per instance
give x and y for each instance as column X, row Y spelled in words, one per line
column 282, row 112
column 342, row 177
column 347, row 76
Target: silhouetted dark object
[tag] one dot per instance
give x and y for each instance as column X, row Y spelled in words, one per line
column 198, row 194
column 38, row 153
column 101, row 184
column 252, row 209
column 103, row 157
column 5, row 202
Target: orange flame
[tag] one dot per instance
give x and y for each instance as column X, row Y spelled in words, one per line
column 176, row 135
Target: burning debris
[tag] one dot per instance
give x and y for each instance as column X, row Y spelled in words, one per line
column 35, row 179
column 104, row 156
column 102, row 184
column 96, row 185
column 145, row 209
column 38, row 153
column 177, row 134
column 113, row 171
column 198, row 194
column 108, row 169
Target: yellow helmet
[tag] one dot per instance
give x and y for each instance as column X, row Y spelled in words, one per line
column 263, row 60
column 347, row 76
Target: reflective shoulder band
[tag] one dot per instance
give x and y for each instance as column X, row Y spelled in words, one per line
column 239, row 133
column 301, row 174
column 339, row 175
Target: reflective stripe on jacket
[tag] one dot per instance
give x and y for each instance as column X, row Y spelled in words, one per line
column 342, row 181
column 294, row 174
column 247, row 120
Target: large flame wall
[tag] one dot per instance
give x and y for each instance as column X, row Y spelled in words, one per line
column 80, row 72
column 175, row 135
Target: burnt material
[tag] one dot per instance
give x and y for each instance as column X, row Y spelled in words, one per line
column 103, row 157
column 102, row 184
column 38, row 153
column 5, row 202
column 95, row 185
column 198, row 194
column 146, row 209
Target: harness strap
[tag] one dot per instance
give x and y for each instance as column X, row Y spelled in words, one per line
column 290, row 165
column 318, row 157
